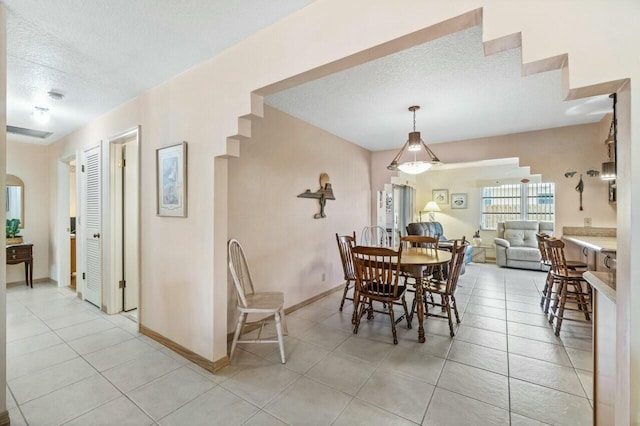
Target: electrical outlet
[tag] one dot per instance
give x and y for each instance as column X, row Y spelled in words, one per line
column 587, row 222
column 324, row 277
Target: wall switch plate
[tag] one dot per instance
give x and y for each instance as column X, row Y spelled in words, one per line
column 587, row 222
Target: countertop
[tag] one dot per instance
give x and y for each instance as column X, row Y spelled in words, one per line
column 602, row 244
column 603, row 282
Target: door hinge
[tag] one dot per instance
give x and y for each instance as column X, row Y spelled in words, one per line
column 83, row 168
column 84, row 276
column 122, row 284
column 122, row 163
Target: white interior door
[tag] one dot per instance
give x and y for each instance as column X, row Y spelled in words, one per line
column 92, row 219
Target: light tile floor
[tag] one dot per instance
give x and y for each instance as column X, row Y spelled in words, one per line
column 68, row 363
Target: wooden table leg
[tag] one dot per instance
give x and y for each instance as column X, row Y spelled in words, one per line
column 420, row 304
column 26, row 273
column 31, row 272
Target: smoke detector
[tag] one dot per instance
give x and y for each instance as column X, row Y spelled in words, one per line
column 55, row 95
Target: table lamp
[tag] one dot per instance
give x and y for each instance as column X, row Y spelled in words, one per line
column 431, row 207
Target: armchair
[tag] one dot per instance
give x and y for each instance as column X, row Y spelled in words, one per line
column 517, row 244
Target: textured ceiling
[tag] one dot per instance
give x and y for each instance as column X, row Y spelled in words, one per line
column 463, row 94
column 100, row 54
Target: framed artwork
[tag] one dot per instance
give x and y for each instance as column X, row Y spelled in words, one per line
column 171, row 180
column 440, row 196
column 458, row 201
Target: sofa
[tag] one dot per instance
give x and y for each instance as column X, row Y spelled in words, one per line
column 431, row 229
column 517, row 245
column 427, row 229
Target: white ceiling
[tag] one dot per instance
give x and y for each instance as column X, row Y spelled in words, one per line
column 100, row 54
column 463, row 94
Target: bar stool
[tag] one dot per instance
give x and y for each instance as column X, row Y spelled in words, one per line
column 570, row 283
column 548, row 285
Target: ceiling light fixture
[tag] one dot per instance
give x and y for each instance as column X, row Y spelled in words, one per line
column 609, row 167
column 421, row 160
column 41, row 114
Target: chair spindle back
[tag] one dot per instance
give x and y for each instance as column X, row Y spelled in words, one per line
column 345, row 244
column 377, row 270
column 457, row 259
column 240, row 272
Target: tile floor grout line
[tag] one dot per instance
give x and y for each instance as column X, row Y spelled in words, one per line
column 508, row 357
column 17, row 405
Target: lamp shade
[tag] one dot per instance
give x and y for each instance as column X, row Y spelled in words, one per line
column 431, row 206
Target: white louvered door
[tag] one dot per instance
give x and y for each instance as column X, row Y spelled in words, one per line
column 92, row 217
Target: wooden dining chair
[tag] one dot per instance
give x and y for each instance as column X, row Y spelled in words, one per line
column 446, row 289
column 569, row 284
column 378, row 279
column 374, row 236
column 345, row 244
column 547, row 291
column 266, row 304
column 419, row 241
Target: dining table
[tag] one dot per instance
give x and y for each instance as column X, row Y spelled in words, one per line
column 413, row 260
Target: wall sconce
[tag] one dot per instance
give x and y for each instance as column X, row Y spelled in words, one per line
column 431, row 207
column 580, row 186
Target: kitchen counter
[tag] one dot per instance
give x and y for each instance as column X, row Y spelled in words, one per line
column 605, row 245
column 603, row 282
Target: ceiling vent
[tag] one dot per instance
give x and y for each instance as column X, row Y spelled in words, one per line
column 28, row 132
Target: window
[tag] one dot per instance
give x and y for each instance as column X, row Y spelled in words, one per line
column 522, row 201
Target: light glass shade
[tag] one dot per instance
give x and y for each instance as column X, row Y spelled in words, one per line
column 608, row 171
column 414, row 167
column 431, row 206
column 414, row 157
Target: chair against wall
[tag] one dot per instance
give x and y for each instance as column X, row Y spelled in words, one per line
column 570, row 284
column 266, row 304
column 345, row 244
column 374, row 236
column 378, row 279
column 446, row 289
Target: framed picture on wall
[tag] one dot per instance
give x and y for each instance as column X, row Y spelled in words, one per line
column 171, row 180
column 440, row 196
column 458, row 201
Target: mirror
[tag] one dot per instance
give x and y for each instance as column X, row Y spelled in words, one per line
column 15, row 199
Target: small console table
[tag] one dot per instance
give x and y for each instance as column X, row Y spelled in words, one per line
column 19, row 253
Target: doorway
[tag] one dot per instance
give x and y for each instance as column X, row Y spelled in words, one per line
column 66, row 213
column 125, row 222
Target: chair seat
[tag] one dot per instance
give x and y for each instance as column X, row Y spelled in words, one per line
column 385, row 291
column 573, row 264
column 267, row 301
column 574, row 275
column 436, row 286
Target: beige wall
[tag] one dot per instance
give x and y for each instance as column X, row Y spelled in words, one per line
column 549, row 153
column 29, row 163
column 288, row 250
column 3, row 253
column 202, row 106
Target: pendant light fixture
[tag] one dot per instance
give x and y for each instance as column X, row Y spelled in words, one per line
column 415, row 157
column 609, row 167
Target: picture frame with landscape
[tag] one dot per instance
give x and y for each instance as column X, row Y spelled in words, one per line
column 171, row 180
